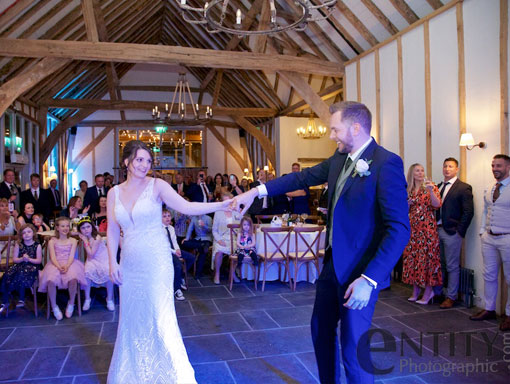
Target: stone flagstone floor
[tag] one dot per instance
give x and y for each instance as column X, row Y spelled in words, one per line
column 246, row 336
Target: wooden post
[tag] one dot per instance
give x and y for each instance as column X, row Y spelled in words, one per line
column 400, row 99
column 428, row 113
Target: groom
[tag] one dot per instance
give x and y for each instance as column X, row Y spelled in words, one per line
column 368, row 228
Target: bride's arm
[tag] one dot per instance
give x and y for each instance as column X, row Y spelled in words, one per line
column 175, row 201
column 113, row 236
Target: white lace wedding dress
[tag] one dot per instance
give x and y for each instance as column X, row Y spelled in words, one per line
column 149, row 346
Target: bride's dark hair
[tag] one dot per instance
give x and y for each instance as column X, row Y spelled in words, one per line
column 130, row 150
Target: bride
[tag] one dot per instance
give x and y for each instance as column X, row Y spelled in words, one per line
column 149, row 346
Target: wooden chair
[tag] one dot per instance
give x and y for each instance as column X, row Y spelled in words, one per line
column 309, row 252
column 280, row 254
column 77, row 300
column 234, row 230
column 4, row 266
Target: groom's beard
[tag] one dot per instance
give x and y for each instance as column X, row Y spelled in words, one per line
column 345, row 145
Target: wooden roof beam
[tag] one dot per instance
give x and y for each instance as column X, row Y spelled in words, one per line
column 157, row 54
column 379, row 15
column 405, row 10
column 20, row 84
column 325, row 94
column 114, row 105
column 353, row 19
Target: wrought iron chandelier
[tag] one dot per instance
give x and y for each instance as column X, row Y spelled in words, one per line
column 178, row 113
column 311, row 131
column 222, row 16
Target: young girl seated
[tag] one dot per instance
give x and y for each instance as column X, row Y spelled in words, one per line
column 39, row 224
column 27, row 262
column 246, row 243
column 97, row 268
column 62, row 270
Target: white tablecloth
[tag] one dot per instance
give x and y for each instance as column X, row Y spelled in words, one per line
column 272, row 272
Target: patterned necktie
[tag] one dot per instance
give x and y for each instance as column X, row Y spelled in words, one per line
column 13, row 189
column 496, row 193
column 169, row 238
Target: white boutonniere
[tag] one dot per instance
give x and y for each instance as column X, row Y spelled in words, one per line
column 362, row 168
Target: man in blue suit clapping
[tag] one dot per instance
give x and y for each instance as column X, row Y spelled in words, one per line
column 368, row 228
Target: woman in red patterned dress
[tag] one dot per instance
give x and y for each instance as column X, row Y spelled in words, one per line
column 421, row 263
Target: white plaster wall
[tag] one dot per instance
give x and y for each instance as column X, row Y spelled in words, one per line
column 368, row 89
column 413, row 68
column 388, row 65
column 350, row 91
column 444, row 90
column 481, row 36
column 291, row 147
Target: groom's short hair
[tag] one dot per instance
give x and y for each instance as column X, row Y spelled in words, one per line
column 353, row 112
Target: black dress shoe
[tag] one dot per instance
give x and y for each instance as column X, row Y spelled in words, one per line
column 483, row 315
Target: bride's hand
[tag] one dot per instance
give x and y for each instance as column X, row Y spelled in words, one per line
column 226, row 205
column 115, row 275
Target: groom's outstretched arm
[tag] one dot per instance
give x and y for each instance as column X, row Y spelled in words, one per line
column 293, row 181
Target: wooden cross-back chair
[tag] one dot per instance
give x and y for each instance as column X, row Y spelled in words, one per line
column 280, row 254
column 306, row 251
column 234, row 230
column 7, row 244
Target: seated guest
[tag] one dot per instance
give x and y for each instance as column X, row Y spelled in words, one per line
column 181, row 222
column 8, row 220
column 97, row 267
column 219, row 187
column 27, row 263
column 421, row 258
column 75, row 208
column 221, row 234
column 299, row 198
column 99, row 218
column 246, row 243
column 83, row 189
column 233, row 185
column 245, row 185
column 177, row 256
column 202, row 226
column 26, row 216
column 38, row 223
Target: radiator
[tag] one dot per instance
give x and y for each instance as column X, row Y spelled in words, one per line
column 467, row 286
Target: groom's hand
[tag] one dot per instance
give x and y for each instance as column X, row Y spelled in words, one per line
column 358, row 294
column 245, row 199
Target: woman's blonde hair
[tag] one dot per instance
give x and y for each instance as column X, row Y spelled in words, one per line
column 410, row 177
column 57, row 222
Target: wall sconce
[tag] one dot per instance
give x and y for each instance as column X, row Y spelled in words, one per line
column 266, row 168
column 52, row 169
column 71, row 171
column 466, row 140
column 246, row 170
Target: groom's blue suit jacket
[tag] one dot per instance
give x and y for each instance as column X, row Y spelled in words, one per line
column 371, row 222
